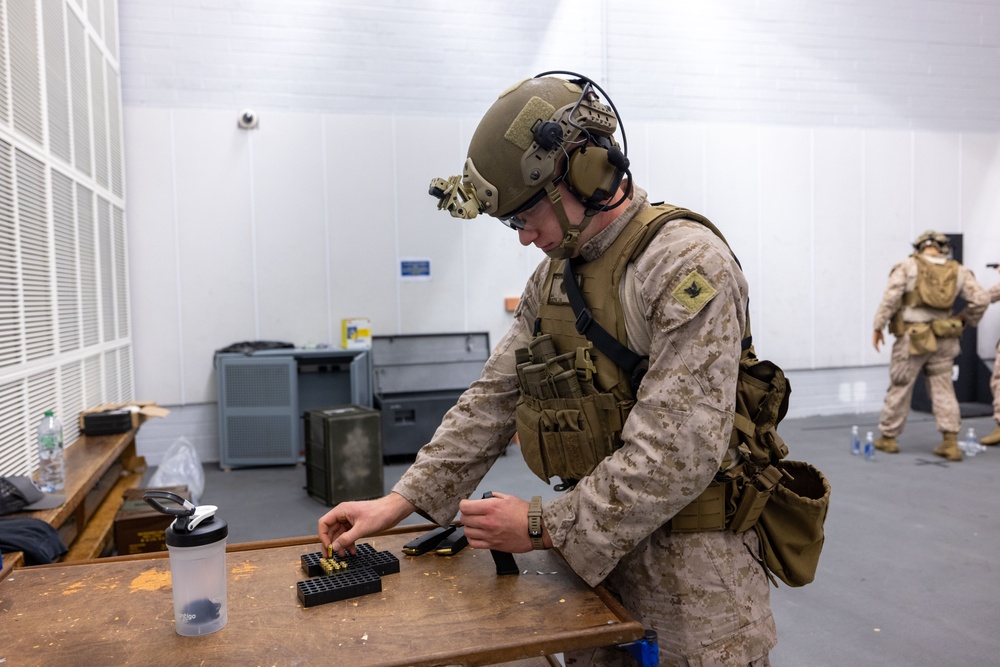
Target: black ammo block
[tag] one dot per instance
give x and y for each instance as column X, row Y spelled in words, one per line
column 350, row 583
column 380, row 562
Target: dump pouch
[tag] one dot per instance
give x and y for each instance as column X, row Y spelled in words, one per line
column 948, row 327
column 922, row 340
column 791, row 526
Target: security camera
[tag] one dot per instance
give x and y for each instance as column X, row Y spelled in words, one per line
column 248, row 119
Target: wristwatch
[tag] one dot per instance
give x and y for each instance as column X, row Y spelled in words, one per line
column 535, row 523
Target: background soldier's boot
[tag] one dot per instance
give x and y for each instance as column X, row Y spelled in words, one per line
column 886, row 444
column 949, row 447
column 993, row 438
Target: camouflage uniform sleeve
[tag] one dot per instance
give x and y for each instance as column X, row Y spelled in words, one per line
column 976, row 299
column 892, row 299
column 995, row 293
column 477, row 429
column 676, row 435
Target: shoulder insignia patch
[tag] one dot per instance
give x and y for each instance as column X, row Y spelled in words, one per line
column 694, row 292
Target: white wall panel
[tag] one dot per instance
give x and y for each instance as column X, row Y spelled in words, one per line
column 361, row 222
column 732, row 186
column 289, row 216
column 428, row 151
column 981, row 222
column 888, row 215
column 215, row 235
column 676, row 165
column 841, row 325
column 937, row 182
column 786, row 292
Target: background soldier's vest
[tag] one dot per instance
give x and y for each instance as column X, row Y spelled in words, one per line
column 936, row 286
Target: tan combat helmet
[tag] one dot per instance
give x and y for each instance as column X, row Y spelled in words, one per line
column 936, row 239
column 538, row 133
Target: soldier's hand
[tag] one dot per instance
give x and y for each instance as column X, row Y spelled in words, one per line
column 877, row 339
column 348, row 522
column 500, row 523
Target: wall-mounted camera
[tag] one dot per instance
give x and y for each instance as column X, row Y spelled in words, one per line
column 248, row 119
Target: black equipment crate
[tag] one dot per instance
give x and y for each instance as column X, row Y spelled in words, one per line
column 343, row 454
column 418, row 378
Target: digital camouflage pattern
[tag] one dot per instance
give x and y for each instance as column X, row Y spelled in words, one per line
column 905, row 366
column 995, row 378
column 703, row 593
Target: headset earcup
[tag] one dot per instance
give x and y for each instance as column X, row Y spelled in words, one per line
column 591, row 175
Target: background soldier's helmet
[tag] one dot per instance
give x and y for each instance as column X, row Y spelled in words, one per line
column 505, row 164
column 931, row 237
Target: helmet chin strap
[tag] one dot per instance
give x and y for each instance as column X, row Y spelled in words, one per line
column 571, row 235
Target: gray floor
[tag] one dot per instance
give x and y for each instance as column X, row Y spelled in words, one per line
column 906, row 576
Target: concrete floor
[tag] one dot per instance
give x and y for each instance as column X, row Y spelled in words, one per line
column 906, row 576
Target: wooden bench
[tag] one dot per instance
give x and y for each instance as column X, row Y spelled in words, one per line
column 99, row 469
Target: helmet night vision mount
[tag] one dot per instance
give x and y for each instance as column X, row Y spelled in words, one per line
column 541, row 132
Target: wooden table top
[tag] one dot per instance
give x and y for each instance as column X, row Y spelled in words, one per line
column 437, row 610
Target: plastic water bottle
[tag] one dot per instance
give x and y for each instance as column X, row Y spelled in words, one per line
column 52, row 467
column 869, row 447
column 855, row 441
column 971, row 445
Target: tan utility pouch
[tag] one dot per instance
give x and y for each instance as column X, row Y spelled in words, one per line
column 922, row 340
column 567, row 437
column 949, row 327
column 791, row 525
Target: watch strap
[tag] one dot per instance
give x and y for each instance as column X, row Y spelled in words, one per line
column 535, row 523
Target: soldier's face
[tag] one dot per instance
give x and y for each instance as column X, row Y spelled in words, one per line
column 541, row 225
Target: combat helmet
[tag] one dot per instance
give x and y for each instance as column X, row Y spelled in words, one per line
column 538, row 133
column 931, row 237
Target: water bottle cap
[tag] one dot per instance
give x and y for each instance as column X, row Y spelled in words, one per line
column 49, row 413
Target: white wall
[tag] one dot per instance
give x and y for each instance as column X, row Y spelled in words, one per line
column 822, row 138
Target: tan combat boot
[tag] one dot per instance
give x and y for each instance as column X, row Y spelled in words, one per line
column 886, row 444
column 993, row 438
column 949, row 447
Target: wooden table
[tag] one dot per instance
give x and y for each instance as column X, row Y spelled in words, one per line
column 436, row 611
column 99, row 468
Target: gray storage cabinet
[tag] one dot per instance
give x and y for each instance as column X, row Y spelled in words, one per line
column 343, row 454
column 418, row 378
column 262, row 397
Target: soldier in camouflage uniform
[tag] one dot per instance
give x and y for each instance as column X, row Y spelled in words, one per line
column 683, row 303
column 917, row 305
column 994, row 437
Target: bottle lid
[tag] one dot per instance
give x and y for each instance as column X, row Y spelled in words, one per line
column 194, row 526
column 49, row 413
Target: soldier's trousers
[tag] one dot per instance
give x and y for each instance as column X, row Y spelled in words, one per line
column 995, row 385
column 903, row 370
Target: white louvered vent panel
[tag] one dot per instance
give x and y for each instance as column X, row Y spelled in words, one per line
column 35, row 243
column 112, row 378
column 90, row 308
column 115, row 131
column 4, row 99
column 94, row 15
column 110, row 27
column 121, row 272
column 106, row 254
column 93, row 391
column 10, row 299
column 99, row 103
column 64, row 234
column 56, row 80
column 125, row 368
column 79, row 93
column 16, row 458
column 25, row 78
column 41, row 397
column 71, row 388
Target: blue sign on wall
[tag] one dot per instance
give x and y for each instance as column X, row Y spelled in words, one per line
column 415, row 269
